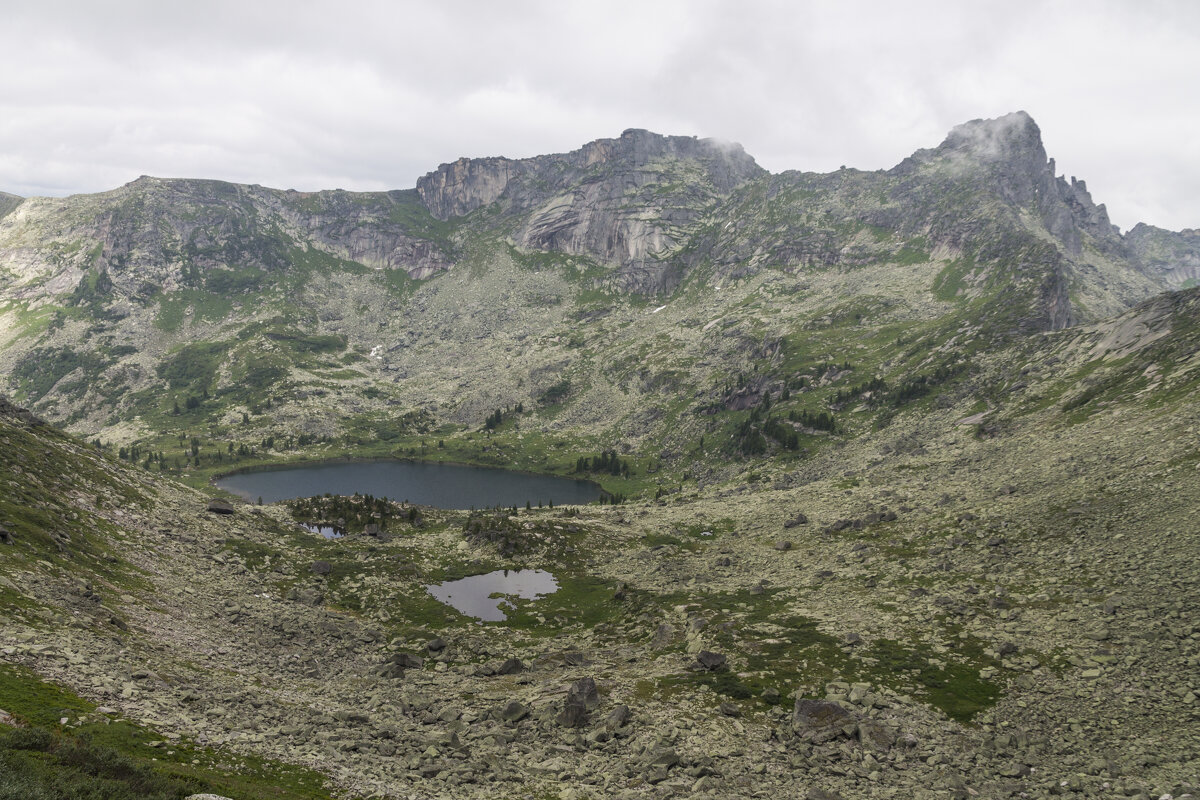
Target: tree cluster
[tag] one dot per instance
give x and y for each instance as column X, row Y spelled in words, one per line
column 608, row 462
column 352, row 512
column 817, row 420
column 496, row 417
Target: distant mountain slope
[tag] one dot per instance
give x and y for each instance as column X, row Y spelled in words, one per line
column 626, row 290
column 1170, row 256
column 948, row 588
column 155, row 235
column 8, row 202
column 631, row 201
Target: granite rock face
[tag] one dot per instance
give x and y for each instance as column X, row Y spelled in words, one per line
column 102, row 296
column 631, row 202
column 1172, row 257
column 157, row 234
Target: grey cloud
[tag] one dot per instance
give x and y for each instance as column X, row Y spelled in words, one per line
column 371, row 95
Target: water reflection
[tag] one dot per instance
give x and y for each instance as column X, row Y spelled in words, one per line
column 424, row 483
column 328, row 531
column 481, row 596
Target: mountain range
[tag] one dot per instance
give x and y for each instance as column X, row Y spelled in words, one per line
column 904, row 503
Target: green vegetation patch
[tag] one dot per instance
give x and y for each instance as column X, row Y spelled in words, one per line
column 39, row 370
column 954, row 688
column 580, row 601
column 309, row 343
column 193, row 366
column 174, row 307
column 951, row 282
column 100, row 758
column 239, row 280
column 783, row 650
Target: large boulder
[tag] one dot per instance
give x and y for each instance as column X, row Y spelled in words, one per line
column 582, row 697
column 822, row 720
column 710, row 661
column 305, row 596
column 585, row 689
column 395, row 666
column 875, row 735
column 618, row 718
column 574, row 713
column 513, row 712
column 511, row 666
column 218, row 506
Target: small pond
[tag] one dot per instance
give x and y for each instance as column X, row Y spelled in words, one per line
column 424, row 483
column 481, row 596
column 328, row 531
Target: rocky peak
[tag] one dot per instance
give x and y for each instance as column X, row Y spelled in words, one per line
column 1011, row 138
column 455, row 189
column 1005, row 155
column 630, row 202
column 1172, row 257
column 727, row 163
column 8, row 202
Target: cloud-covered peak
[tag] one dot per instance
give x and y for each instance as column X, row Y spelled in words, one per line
column 1004, row 138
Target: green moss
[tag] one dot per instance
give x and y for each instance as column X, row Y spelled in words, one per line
column 194, row 366
column 99, row 758
column 239, row 280
column 308, row 343
column 397, row 282
column 205, row 306
column 580, row 601
column 952, row 687
column 951, row 282
column 37, row 372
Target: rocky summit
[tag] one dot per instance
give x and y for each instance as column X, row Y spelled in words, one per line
column 898, row 479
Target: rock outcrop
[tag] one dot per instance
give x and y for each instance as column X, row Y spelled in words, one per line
column 631, row 202
column 8, row 202
column 159, row 234
column 1172, row 257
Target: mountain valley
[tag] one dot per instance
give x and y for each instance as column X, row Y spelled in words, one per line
column 903, row 498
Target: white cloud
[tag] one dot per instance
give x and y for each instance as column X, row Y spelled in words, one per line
column 370, row 95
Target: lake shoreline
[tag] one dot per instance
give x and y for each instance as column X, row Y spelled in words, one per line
column 441, row 484
column 301, row 463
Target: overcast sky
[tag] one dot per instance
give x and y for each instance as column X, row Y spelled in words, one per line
column 371, row 95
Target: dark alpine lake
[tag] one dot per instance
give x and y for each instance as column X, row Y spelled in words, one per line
column 424, row 483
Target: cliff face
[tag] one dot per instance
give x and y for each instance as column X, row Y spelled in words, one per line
column 1170, row 256
column 115, row 307
column 157, row 234
column 1008, row 153
column 469, row 183
column 453, row 190
column 630, row 202
column 8, row 202
column 647, row 210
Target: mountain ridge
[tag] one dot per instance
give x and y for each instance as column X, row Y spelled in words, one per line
column 893, row 465
column 977, row 233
